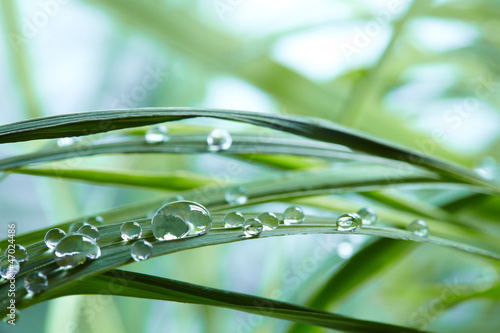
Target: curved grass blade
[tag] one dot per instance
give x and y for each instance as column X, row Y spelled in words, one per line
column 79, row 124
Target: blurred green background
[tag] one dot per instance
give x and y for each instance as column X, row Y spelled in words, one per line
column 424, row 74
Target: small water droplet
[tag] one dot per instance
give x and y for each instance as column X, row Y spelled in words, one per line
column 418, row 228
column 130, row 230
column 64, row 142
column 75, row 226
column 293, row 215
column 9, row 267
column 141, row 250
column 252, row 227
column 89, row 230
column 17, row 251
column 368, row 216
column 157, row 134
column 348, row 222
column 35, row 282
column 75, row 249
column 53, row 236
column 219, row 139
column 233, row 219
column 236, row 195
column 96, row 221
column 180, row 219
column 269, row 220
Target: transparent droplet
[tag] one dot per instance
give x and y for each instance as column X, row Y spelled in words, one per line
column 89, row 230
column 96, row 221
column 418, row 228
column 130, row 230
column 35, row 282
column 53, row 236
column 252, row 227
column 157, row 134
column 141, row 250
column 269, row 220
column 348, row 222
column 9, row 267
column 345, row 250
column 236, row 195
column 368, row 216
column 233, row 219
column 75, row 249
column 63, row 142
column 180, row 219
column 17, row 251
column 75, row 226
column 487, row 168
column 219, row 139
column 293, row 215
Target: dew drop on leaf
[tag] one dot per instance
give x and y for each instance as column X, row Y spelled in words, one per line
column 219, row 139
column 368, row 216
column 35, row 282
column 233, row 219
column 269, row 220
column 9, row 268
column 18, row 251
column 348, row 222
column 89, row 230
column 96, row 221
column 156, row 134
column 53, row 236
column 418, row 228
column 130, row 230
column 141, row 250
column 75, row 249
column 252, row 227
column 293, row 215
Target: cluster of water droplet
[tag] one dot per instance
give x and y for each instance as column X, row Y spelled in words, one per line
column 352, row 221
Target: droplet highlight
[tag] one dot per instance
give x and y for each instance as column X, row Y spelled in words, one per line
column 156, row 134
column 418, row 228
column 348, row 222
column 89, row 230
column 219, row 139
column 233, row 219
column 35, row 282
column 269, row 220
column 368, row 216
column 75, row 249
column 141, row 250
column 53, row 236
column 252, row 227
column 236, row 195
column 64, row 142
column 130, row 230
column 293, row 215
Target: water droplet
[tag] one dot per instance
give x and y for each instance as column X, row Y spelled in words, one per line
column 292, row 215
column 252, row 227
column 269, row 220
column 368, row 216
column 157, row 134
column 345, row 250
column 141, row 250
column 236, row 195
column 75, row 226
column 131, row 230
column 96, row 221
column 35, row 282
column 74, row 249
column 348, row 222
column 180, row 219
column 219, row 139
column 487, row 168
column 418, row 228
column 63, row 142
column 18, row 251
column 89, row 230
column 9, row 268
column 233, row 219
column 53, row 236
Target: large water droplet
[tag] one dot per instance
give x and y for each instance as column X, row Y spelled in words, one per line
column 96, row 221
column 9, row 267
column 130, row 230
column 293, row 215
column 236, row 195
column 269, row 220
column 74, row 249
column 89, row 230
column 180, row 219
column 252, row 227
column 233, row 219
column 219, row 139
column 157, row 134
column 368, row 216
column 17, row 251
column 141, row 250
column 53, row 236
column 348, row 222
column 63, row 142
column 35, row 282
column 418, row 228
